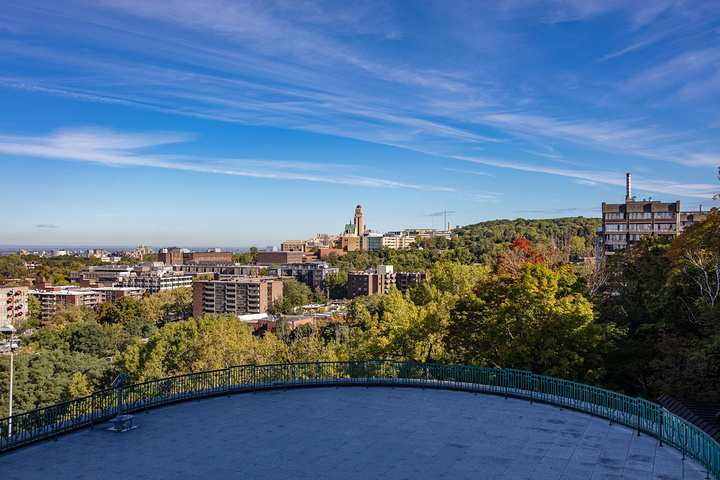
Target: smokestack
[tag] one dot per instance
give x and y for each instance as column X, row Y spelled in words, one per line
column 628, row 187
column 448, row 227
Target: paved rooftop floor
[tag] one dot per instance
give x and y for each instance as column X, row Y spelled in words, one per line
column 354, row 433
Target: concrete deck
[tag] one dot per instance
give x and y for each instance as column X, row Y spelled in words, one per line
column 354, row 433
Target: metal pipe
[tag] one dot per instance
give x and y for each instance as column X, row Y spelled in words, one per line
column 628, row 186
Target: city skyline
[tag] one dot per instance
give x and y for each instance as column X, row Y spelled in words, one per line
column 240, row 124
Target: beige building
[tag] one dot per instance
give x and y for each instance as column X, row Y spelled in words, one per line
column 359, row 221
column 55, row 298
column 236, row 295
column 350, row 243
column 293, row 246
column 397, row 242
column 88, row 295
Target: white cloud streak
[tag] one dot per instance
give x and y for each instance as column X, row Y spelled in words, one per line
column 119, row 149
column 702, row 190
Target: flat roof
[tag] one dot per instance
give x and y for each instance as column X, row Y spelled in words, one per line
column 355, row 433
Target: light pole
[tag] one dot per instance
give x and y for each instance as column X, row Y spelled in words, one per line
column 14, row 307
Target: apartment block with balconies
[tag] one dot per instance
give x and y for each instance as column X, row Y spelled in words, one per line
column 623, row 224
column 235, row 295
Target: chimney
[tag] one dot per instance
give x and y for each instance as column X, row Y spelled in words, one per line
column 628, row 187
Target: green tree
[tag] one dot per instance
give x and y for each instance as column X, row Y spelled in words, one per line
column 79, row 386
column 295, row 294
column 34, row 307
column 337, row 284
column 207, row 343
column 124, row 310
column 534, row 320
column 578, row 247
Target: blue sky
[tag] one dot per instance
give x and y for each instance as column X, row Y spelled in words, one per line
column 235, row 124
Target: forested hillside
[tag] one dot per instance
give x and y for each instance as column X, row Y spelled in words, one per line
column 568, row 237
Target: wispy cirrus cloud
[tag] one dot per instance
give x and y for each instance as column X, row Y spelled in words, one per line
column 588, row 177
column 125, row 149
column 439, row 214
column 351, row 72
column 45, row 225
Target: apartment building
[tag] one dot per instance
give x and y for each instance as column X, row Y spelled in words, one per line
column 381, row 280
column 623, row 224
column 237, row 270
column 312, row 274
column 182, row 256
column 293, row 246
column 237, row 295
column 13, row 304
column 155, row 282
column 54, row 298
column 397, row 241
column 276, row 258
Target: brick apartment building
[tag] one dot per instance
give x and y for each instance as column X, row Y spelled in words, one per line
column 277, row 258
column 236, row 295
column 381, row 280
column 181, row 256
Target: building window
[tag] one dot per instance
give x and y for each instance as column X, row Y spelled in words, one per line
column 665, row 215
column 634, row 227
column 615, row 238
column 639, row 215
column 614, row 216
column 615, row 228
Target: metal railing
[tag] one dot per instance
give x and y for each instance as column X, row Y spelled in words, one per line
column 642, row 415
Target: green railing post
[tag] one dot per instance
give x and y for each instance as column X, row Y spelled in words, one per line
column 507, row 381
column 228, row 379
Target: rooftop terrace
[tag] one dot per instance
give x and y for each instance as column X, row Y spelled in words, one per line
column 355, row 433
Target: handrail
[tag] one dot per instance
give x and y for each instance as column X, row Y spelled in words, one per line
column 640, row 414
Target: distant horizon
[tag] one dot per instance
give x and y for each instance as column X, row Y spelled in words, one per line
column 113, row 248
column 203, row 247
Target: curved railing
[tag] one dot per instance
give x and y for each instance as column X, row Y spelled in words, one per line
column 103, row 405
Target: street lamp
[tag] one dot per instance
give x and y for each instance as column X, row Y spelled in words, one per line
column 10, row 329
column 14, row 308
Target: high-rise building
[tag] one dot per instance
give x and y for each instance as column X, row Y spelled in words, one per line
column 241, row 295
column 623, row 224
